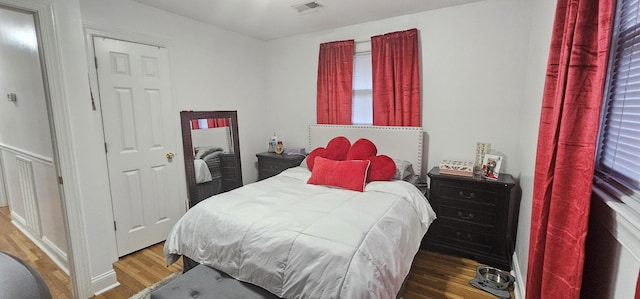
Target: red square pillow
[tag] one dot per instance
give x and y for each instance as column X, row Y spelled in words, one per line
column 350, row 174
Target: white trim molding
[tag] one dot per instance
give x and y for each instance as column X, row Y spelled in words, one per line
column 520, row 285
column 64, row 153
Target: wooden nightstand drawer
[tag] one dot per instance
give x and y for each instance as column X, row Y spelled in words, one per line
column 468, row 215
column 274, row 166
column 463, row 237
column 468, row 193
column 270, row 164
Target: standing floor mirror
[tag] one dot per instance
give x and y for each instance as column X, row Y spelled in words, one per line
column 211, row 153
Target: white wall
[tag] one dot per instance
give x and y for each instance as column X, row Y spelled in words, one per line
column 541, row 22
column 211, row 68
column 473, row 68
column 483, row 68
column 612, row 249
column 25, row 133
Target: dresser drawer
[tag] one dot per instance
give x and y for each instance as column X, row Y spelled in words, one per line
column 468, row 194
column 270, row 164
column 474, row 216
column 459, row 237
column 274, row 166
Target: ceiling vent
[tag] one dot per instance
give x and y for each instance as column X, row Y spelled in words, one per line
column 307, row 7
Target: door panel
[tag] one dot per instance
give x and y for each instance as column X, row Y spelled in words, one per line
column 137, row 118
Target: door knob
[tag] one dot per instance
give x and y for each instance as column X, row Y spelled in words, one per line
column 170, row 156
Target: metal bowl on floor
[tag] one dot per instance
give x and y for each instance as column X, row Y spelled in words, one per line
column 494, row 278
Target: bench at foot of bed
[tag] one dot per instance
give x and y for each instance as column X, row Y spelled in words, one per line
column 206, row 282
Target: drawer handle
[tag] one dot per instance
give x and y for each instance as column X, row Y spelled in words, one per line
column 470, row 196
column 470, row 216
column 467, row 236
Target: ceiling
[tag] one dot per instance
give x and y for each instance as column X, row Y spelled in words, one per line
column 273, row 19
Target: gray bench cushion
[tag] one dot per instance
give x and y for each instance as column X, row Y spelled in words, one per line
column 206, row 282
column 19, row 280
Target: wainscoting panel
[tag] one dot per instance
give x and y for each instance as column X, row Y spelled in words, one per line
column 31, row 187
column 29, row 196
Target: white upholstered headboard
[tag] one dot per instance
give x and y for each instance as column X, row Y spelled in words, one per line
column 396, row 142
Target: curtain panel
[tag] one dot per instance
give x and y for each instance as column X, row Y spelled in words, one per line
column 567, row 140
column 396, row 79
column 335, row 76
column 209, row 123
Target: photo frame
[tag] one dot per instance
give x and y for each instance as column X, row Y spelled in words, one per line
column 491, row 166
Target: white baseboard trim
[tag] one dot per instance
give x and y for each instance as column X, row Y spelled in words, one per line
column 57, row 255
column 519, row 287
column 104, row 282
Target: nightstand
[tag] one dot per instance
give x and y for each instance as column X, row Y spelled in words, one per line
column 270, row 164
column 477, row 218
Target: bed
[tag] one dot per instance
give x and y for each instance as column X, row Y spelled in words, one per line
column 300, row 240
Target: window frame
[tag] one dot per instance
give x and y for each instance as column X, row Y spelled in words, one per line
column 356, row 92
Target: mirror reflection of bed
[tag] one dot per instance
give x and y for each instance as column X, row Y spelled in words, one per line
column 212, row 153
column 211, row 142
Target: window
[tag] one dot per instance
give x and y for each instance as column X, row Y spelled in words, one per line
column 618, row 157
column 362, row 103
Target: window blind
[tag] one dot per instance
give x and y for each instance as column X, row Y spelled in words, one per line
column 619, row 142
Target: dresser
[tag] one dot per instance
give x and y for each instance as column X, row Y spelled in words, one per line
column 231, row 177
column 477, row 218
column 270, row 164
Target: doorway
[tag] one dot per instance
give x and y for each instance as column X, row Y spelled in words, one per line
column 29, row 182
column 136, row 104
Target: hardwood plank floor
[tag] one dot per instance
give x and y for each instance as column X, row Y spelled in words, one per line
column 433, row 275
column 14, row 242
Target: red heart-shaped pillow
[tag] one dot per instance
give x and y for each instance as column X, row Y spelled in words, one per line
column 337, row 148
column 362, row 149
column 382, row 168
column 311, row 157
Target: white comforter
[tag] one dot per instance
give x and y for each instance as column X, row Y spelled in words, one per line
column 305, row 241
column 201, row 169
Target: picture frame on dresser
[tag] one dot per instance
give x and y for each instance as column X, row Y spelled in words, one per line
column 491, row 165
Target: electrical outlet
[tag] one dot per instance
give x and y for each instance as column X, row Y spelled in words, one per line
column 11, row 97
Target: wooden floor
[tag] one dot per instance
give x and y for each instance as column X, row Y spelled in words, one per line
column 433, row 275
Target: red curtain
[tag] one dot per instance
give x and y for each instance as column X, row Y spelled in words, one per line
column 211, row 123
column 396, row 79
column 566, row 147
column 335, row 76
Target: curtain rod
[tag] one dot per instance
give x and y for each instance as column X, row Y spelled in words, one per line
column 362, row 41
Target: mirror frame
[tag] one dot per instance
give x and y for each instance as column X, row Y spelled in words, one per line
column 187, row 146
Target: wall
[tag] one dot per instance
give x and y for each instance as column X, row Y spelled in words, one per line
column 472, row 76
column 211, row 68
column 25, row 134
column 541, row 21
column 612, row 249
column 483, row 71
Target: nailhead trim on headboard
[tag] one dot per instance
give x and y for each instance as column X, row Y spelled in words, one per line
column 397, row 142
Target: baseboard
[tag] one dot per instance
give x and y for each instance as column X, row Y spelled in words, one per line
column 57, row 255
column 104, row 282
column 519, row 287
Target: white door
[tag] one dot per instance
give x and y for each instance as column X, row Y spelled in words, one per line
column 139, row 126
